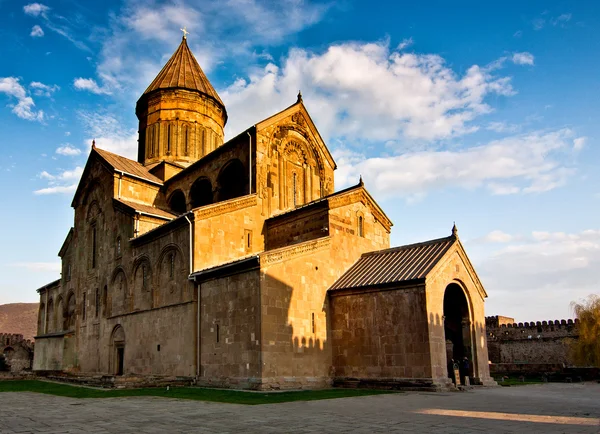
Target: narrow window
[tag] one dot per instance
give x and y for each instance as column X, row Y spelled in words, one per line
column 118, row 247
column 83, row 310
column 248, row 239
column 295, row 187
column 69, row 272
column 360, row 227
column 158, row 347
column 104, row 299
column 169, row 139
column 313, row 322
column 144, row 277
column 153, row 134
column 97, row 302
column 94, row 247
column 172, row 265
column 185, row 140
column 217, row 333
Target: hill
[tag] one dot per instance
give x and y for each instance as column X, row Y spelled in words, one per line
column 19, row 318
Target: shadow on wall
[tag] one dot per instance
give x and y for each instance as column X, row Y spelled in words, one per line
column 295, row 334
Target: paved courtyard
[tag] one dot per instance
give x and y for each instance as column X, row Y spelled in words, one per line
column 547, row 408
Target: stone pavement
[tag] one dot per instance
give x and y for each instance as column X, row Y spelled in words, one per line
column 547, row 408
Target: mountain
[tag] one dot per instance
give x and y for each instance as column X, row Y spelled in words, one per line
column 19, row 318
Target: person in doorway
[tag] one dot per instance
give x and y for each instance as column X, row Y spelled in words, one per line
column 465, row 367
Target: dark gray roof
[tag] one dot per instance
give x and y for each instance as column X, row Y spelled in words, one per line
column 395, row 265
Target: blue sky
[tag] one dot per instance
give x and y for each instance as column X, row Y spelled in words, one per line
column 451, row 111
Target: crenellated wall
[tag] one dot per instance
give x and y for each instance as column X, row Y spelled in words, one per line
column 535, row 342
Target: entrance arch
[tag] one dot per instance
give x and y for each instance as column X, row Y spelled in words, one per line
column 457, row 326
column 117, row 351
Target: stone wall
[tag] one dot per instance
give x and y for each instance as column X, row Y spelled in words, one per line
column 541, row 342
column 18, row 352
column 303, row 225
column 48, row 355
column 230, row 331
column 380, row 334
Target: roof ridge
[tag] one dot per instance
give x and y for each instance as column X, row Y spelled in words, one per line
column 410, row 246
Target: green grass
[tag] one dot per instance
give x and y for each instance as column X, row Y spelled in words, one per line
column 516, row 382
column 196, row 393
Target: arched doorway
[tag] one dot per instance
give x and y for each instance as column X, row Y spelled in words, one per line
column 457, row 326
column 117, row 351
column 201, row 193
column 177, row 202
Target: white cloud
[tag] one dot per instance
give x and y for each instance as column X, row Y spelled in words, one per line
column 547, row 270
column 365, row 91
column 524, row 58
column 36, row 32
column 498, row 236
column 58, row 189
column 89, row 84
column 405, row 44
column 38, row 266
column 518, row 34
column 35, row 9
column 68, row 150
column 63, row 182
column 41, row 89
column 25, row 105
column 67, row 133
column 579, row 143
column 109, row 133
column 58, row 24
column 527, row 163
column 502, row 127
column 561, row 20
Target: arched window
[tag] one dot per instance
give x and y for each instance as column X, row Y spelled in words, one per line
column 69, row 318
column 169, row 139
column 295, row 189
column 177, row 202
column 186, row 150
column 361, row 227
column 201, row 193
column 232, row 181
column 94, row 250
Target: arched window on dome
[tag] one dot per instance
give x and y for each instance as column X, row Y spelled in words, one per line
column 186, row 140
column 168, row 139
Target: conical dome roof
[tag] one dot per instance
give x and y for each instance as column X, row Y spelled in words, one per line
column 183, row 71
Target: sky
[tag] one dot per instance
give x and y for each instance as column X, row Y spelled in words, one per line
column 480, row 113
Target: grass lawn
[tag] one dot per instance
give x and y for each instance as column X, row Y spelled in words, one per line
column 197, row 393
column 515, row 382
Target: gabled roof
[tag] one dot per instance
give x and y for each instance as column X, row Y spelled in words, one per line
column 145, row 209
column 66, row 243
column 126, row 165
column 183, row 71
column 402, row 264
column 117, row 163
column 299, row 106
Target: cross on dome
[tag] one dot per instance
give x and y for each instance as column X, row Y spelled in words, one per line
column 185, row 32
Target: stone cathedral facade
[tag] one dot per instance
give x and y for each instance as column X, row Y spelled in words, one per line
column 238, row 264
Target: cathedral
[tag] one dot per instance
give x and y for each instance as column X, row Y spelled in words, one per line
column 237, row 264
